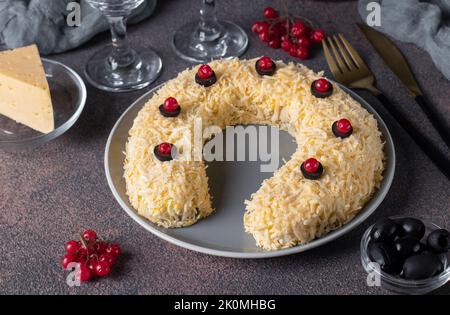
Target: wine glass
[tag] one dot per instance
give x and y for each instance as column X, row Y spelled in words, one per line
column 121, row 68
column 208, row 39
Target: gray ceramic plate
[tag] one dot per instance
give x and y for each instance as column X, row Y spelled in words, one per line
column 222, row 233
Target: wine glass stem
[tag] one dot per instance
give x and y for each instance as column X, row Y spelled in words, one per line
column 209, row 29
column 122, row 55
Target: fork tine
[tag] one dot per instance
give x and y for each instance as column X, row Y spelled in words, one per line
column 344, row 54
column 329, row 57
column 355, row 56
column 337, row 56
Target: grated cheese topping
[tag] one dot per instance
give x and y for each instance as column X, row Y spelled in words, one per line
column 288, row 209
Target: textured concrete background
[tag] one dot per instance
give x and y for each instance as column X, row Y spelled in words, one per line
column 51, row 193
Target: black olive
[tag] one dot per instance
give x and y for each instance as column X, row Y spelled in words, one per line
column 385, row 256
column 384, row 230
column 411, row 227
column 206, row 82
column 439, row 240
column 407, row 246
column 422, row 266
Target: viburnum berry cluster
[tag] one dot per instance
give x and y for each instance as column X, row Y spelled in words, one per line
column 95, row 257
column 295, row 35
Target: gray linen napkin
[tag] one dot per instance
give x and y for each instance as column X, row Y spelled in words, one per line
column 425, row 23
column 43, row 22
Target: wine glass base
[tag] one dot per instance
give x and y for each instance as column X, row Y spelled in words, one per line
column 232, row 43
column 139, row 74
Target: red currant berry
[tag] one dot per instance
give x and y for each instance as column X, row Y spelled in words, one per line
column 205, row 72
column 322, row 85
column 303, row 53
column 293, row 50
column 270, row 13
column 84, row 273
column 318, row 35
column 89, row 235
column 257, row 27
column 274, row 43
column 343, row 126
column 102, row 269
column 99, row 247
column 304, row 41
column 311, row 165
column 114, row 250
column 67, row 259
column 107, row 258
column 264, row 36
column 170, row 105
column 286, row 45
column 265, row 63
column 72, row 247
column 165, row 149
column 92, row 264
column 299, row 29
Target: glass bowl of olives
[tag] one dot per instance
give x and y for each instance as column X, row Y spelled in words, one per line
column 406, row 255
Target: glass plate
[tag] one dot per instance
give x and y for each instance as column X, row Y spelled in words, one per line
column 68, row 97
column 222, row 233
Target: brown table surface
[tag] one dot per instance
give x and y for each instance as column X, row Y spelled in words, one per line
column 51, row 193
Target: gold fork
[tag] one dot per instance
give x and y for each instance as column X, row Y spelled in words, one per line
column 350, row 70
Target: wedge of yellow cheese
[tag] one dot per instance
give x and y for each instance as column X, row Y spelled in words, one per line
column 24, row 92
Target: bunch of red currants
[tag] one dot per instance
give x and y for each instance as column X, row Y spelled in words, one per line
column 294, row 35
column 95, row 257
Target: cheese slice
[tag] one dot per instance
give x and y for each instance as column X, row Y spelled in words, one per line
column 24, row 92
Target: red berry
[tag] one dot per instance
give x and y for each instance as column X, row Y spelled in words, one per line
column 67, row 259
column 303, row 53
column 170, row 105
column 274, row 43
column 257, row 27
column 304, row 41
column 205, row 72
column 311, row 165
column 107, row 258
column 318, row 35
column 72, row 247
column 293, row 50
column 343, row 126
column 114, row 250
column 102, row 269
column 84, row 273
column 99, row 247
column 164, row 148
column 265, row 63
column 264, row 36
column 322, row 85
column 286, row 45
column 284, row 37
column 270, row 13
column 89, row 235
column 92, row 264
column 299, row 29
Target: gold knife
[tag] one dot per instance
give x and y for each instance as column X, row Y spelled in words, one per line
column 399, row 66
